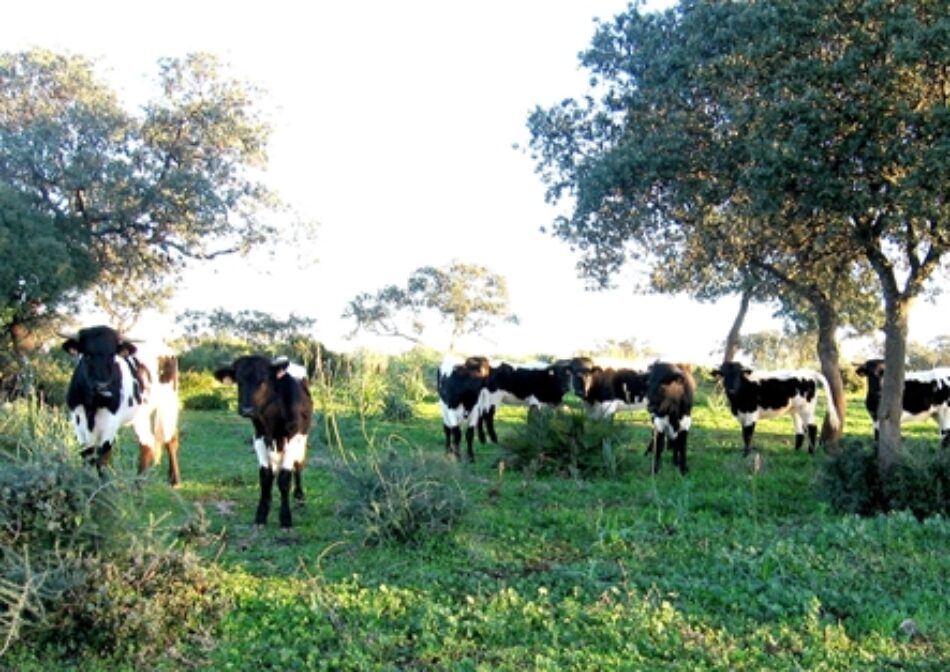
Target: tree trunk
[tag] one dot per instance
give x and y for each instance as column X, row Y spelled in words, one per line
column 890, row 408
column 829, row 358
column 732, row 339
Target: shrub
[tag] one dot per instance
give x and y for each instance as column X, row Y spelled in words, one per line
column 400, row 497
column 566, row 440
column 200, row 391
column 396, row 408
column 918, row 481
column 78, row 568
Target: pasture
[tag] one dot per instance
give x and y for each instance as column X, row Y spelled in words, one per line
column 737, row 566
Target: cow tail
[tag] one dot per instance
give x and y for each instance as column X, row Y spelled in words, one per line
column 833, row 418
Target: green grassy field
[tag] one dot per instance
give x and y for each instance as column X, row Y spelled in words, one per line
column 729, row 568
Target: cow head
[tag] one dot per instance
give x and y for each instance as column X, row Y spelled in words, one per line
column 871, row 368
column 582, row 372
column 732, row 375
column 256, row 377
column 98, row 348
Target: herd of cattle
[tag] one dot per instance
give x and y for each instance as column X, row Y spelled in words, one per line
column 115, row 384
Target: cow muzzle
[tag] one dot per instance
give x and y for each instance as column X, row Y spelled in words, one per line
column 246, row 411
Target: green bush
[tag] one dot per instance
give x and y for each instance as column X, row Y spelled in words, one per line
column 918, row 481
column 79, row 570
column 396, row 408
column 199, row 391
column 400, row 497
column 567, row 440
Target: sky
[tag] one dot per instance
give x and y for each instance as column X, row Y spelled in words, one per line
column 395, row 128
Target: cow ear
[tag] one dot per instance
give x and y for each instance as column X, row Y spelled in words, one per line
column 279, row 365
column 71, row 345
column 127, row 349
column 225, row 374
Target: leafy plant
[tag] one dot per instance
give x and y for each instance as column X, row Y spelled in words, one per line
column 400, row 497
column 567, row 440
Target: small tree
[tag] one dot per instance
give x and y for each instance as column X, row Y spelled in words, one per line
column 467, row 296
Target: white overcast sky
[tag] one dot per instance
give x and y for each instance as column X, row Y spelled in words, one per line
column 393, row 127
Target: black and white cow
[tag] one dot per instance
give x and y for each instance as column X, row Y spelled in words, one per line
column 274, row 395
column 926, row 395
column 670, row 392
column 764, row 394
column 114, row 385
column 532, row 385
column 460, row 386
column 607, row 390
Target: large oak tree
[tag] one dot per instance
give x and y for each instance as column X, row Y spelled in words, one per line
column 121, row 201
column 802, row 140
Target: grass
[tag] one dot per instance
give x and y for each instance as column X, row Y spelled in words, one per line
column 733, row 567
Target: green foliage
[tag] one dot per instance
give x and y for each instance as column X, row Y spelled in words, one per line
column 567, row 440
column 774, row 350
column 200, row 391
column 75, row 570
column 400, row 498
column 919, row 481
column 467, row 296
column 121, row 200
column 257, row 329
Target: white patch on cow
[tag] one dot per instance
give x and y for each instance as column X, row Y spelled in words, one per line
column 940, row 376
column 294, row 452
column 298, row 371
column 263, row 455
column 663, row 425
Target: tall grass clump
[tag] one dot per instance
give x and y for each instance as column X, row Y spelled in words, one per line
column 567, row 441
column 80, row 571
column 918, row 481
column 400, row 497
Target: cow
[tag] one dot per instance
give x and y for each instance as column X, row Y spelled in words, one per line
column 764, row 394
column 460, row 387
column 607, row 390
column 532, row 385
column 926, row 395
column 670, row 392
column 275, row 396
column 114, row 385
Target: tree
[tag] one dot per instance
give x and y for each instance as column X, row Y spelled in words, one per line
column 467, row 296
column 258, row 329
column 738, row 138
column 125, row 201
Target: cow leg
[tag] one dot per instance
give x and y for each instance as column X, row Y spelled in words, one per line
column 457, row 442
column 104, row 456
column 298, row 484
column 146, row 457
column 469, row 438
column 945, row 443
column 283, row 484
column 481, row 429
column 812, row 438
column 747, row 432
column 490, row 424
column 174, row 474
column 267, row 486
column 679, row 452
column 448, row 437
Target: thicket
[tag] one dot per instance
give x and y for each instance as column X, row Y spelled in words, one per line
column 567, row 441
column 79, row 570
column 918, row 481
column 399, row 497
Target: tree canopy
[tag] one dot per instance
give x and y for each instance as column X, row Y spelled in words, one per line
column 797, row 146
column 468, row 297
column 123, row 201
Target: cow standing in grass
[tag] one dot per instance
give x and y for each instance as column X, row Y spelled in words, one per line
column 670, row 393
column 764, row 394
column 460, row 388
column 114, row 385
column 926, row 395
column 275, row 397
